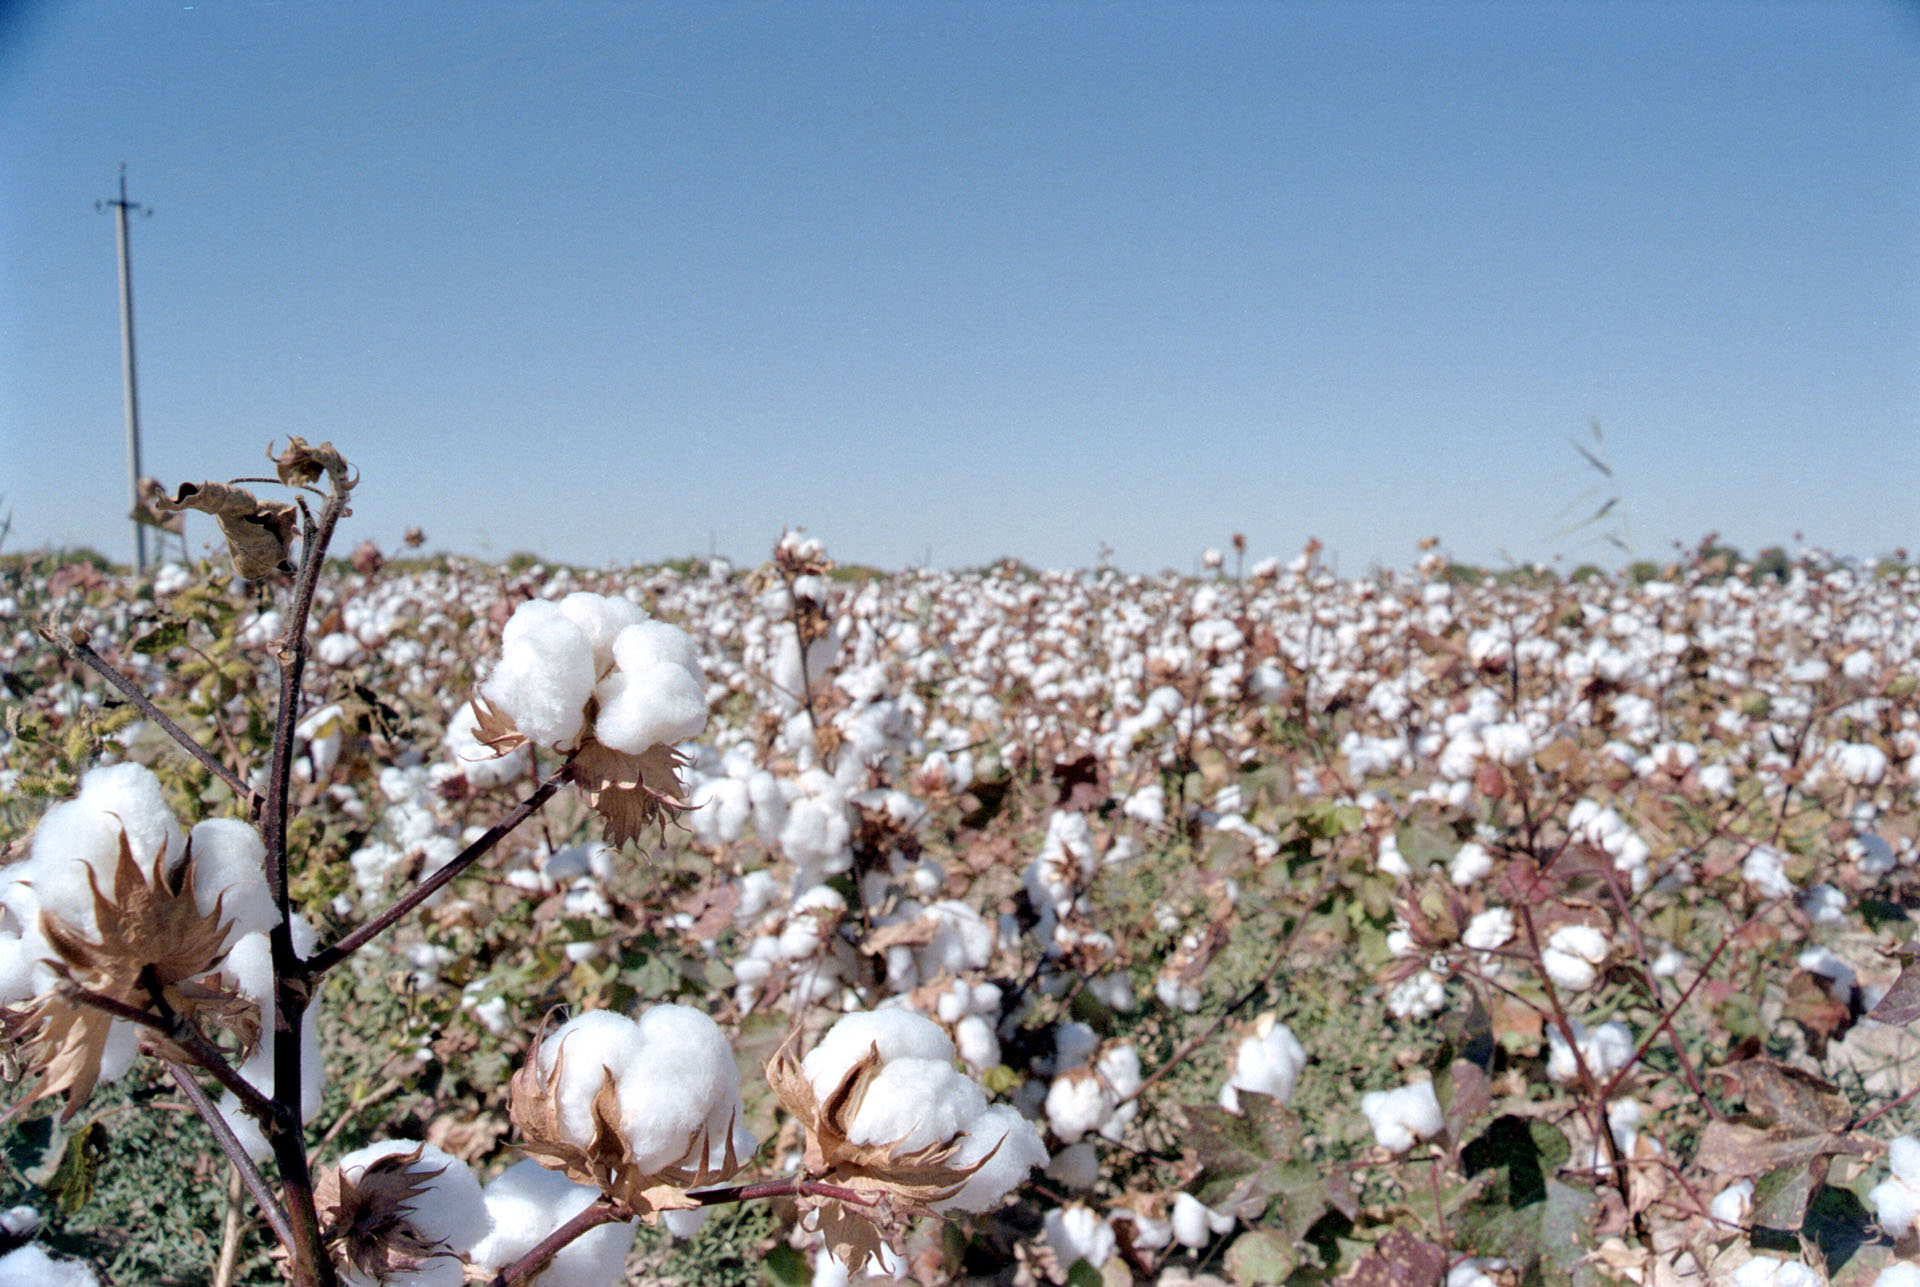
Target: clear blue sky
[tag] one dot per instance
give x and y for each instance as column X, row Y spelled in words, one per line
column 623, row 281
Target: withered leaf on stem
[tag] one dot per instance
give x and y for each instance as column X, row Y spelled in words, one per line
column 258, row 532
column 301, row 465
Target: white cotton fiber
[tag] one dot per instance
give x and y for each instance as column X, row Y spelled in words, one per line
column 1401, row 1116
column 1195, row 1224
column 655, row 706
column 1075, row 1233
column 1268, row 1063
column 978, row 1044
column 545, row 675
column 1077, row 1102
column 229, row 864
column 912, row 1104
column 588, row 1047
column 601, row 617
column 526, row 1203
column 898, row 1033
column 82, row 835
column 1573, row 955
column 476, row 760
column 1896, row 1200
column 655, row 643
column 682, row 1080
column 29, row 1266
column 1019, row 1151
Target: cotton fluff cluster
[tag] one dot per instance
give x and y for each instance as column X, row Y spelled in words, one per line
column 1573, row 956
column 643, row 676
column 1083, row 1099
column 917, row 1100
column 1604, row 1051
column 1399, row 1117
column 1896, row 1200
column 675, row 1075
column 1268, row 1062
column 525, row 1203
column 444, row 1210
column 29, row 1266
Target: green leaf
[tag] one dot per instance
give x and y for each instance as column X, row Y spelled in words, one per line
column 1084, row 1275
column 1521, row 1210
column 1261, row 1256
column 71, row 1183
column 168, row 634
column 786, row 1267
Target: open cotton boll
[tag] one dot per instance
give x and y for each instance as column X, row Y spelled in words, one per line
column 1075, row 1232
column 1195, row 1224
column 656, row 643
column 1399, row 1117
column 1077, row 1166
column 898, row 1034
column 588, row 1048
column 1605, row 1051
column 1772, row 1271
column 545, row 675
column 654, row 706
column 1077, row 1102
column 1905, row 1273
column 1573, row 954
column 445, row 1207
column 1896, row 1200
column 1470, row 865
column 979, row 1045
column 681, row 1082
column 82, row 835
column 1734, row 1204
column 1268, row 1063
column 526, row 1202
column 912, row 1104
column 230, row 864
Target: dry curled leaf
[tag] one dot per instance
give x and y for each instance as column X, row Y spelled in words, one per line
column 300, row 465
column 258, row 532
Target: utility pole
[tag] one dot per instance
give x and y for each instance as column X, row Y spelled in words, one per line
column 120, row 207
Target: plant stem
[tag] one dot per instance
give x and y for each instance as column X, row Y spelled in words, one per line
column 320, row 962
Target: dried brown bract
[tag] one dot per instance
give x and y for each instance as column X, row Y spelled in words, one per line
column 258, row 532
column 367, row 1221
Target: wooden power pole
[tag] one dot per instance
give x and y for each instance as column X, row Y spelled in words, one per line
column 121, row 206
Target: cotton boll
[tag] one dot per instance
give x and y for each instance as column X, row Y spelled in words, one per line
column 913, row 1104
column 1771, row 1271
column 1076, row 1233
column 1734, row 1204
column 681, row 1081
column 476, row 760
column 1572, row 955
column 1765, row 870
column 1896, row 1200
column 721, row 811
column 656, row 706
column 1077, row 1102
column 526, row 1203
column 229, row 864
column 1195, row 1224
column 446, row 1206
column 1488, row 930
column 1268, row 1062
column 589, row 1048
column 1470, row 865
column 1605, row 1051
column 1902, row 1274
column 897, row 1033
column 545, row 675
column 1399, row 1117
column 979, row 1046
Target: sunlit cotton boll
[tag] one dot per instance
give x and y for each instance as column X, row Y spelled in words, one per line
column 29, row 1266
column 1076, row 1232
column 1771, row 1271
column 1733, row 1205
column 1896, row 1200
column 1605, row 1050
column 656, row 695
column 1399, row 1117
column 682, row 1084
column 1470, row 865
column 1268, row 1062
column 1766, row 870
column 912, row 1104
column 545, row 675
column 82, row 835
column 526, row 1202
column 1015, row 1147
column 1195, row 1224
column 897, row 1033
column 445, row 1208
column 1573, row 955
column 475, row 759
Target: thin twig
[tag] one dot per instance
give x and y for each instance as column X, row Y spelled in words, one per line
column 83, row 652
column 243, row 1166
column 320, row 962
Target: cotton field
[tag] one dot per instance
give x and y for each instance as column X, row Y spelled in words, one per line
column 797, row 923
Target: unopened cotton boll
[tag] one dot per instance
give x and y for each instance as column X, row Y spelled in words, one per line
column 1399, row 1117
column 525, row 1203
